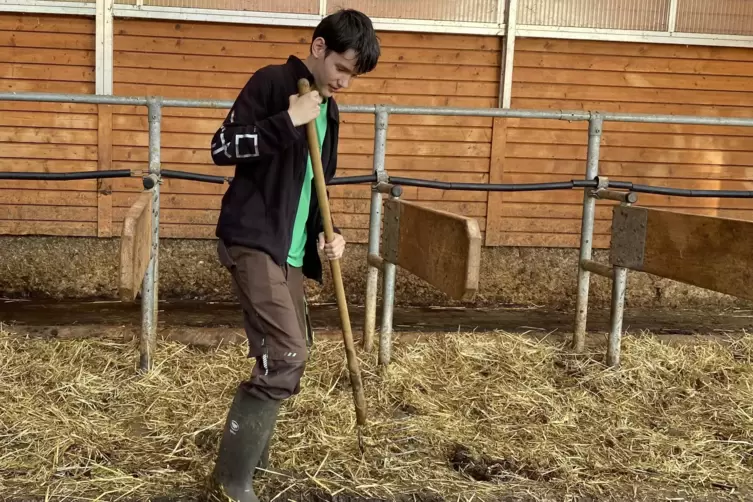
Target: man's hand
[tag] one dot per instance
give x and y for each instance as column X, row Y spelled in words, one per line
column 304, row 109
column 334, row 250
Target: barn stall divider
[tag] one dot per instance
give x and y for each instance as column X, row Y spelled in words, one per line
column 457, row 271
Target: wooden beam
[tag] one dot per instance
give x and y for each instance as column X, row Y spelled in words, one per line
column 494, row 232
column 443, row 249
column 135, row 246
column 104, row 163
column 703, row 251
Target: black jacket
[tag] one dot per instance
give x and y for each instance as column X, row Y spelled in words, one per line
column 270, row 155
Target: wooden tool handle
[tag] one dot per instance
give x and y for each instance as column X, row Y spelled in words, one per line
column 329, row 234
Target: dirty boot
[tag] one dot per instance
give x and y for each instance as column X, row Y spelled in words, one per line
column 264, row 459
column 247, row 430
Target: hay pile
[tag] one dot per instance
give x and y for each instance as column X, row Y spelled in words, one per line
column 457, row 417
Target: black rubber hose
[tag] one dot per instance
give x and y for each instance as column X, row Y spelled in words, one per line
column 83, row 175
column 354, row 180
column 182, row 175
column 487, row 187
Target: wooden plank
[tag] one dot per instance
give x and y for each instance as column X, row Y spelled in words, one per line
column 235, row 81
column 47, row 136
column 58, row 108
column 420, row 120
column 248, row 33
column 104, row 163
column 61, row 57
column 45, row 165
column 631, row 107
column 703, row 251
column 48, row 120
column 46, row 24
column 638, row 139
column 47, row 86
column 64, row 187
column 442, row 248
column 125, row 60
column 626, row 78
column 588, row 93
column 72, row 41
column 497, row 166
column 411, row 163
column 65, row 228
column 20, row 196
column 281, row 51
column 534, row 125
column 649, row 155
column 601, row 48
column 135, row 247
column 63, row 152
column 47, row 72
column 633, row 65
column 524, row 239
column 48, row 213
column 347, row 98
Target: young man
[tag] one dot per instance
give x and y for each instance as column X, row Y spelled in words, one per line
column 270, row 228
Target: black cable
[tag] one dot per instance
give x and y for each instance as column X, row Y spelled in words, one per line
column 84, row 175
column 488, row 187
column 353, row 180
column 183, row 175
column 371, row 178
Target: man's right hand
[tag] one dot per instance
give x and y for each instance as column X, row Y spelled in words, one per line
column 304, row 109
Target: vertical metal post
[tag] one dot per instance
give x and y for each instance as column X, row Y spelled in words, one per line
column 150, row 288
column 595, row 126
column 375, row 227
column 619, row 286
column 388, row 304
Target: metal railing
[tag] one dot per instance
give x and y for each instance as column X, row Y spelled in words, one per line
column 594, row 188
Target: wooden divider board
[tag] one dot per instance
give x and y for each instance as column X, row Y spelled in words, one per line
column 442, row 248
column 704, row 251
column 135, row 246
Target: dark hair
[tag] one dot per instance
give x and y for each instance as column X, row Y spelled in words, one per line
column 350, row 29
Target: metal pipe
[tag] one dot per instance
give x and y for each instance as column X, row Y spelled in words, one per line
column 381, row 121
column 385, row 335
column 388, row 308
column 83, row 175
column 595, row 127
column 619, row 287
column 390, row 189
column 573, row 115
column 624, row 197
column 375, row 261
column 598, row 268
column 150, row 288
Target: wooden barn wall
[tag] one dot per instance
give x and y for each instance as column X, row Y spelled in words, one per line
column 196, row 60
column 620, row 77
column 49, row 54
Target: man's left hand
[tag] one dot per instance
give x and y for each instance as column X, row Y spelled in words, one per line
column 333, row 250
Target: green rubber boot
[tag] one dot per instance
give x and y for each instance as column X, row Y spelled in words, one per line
column 245, row 437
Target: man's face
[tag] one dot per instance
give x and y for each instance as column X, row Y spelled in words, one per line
column 333, row 72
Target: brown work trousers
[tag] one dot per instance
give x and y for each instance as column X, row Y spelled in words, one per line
column 275, row 319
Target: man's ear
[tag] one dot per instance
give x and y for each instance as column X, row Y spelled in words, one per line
column 318, row 48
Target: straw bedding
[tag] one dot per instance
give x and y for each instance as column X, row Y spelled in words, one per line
column 456, row 417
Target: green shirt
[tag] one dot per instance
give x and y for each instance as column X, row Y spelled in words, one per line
column 298, row 244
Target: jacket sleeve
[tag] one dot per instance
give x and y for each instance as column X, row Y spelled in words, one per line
column 251, row 130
